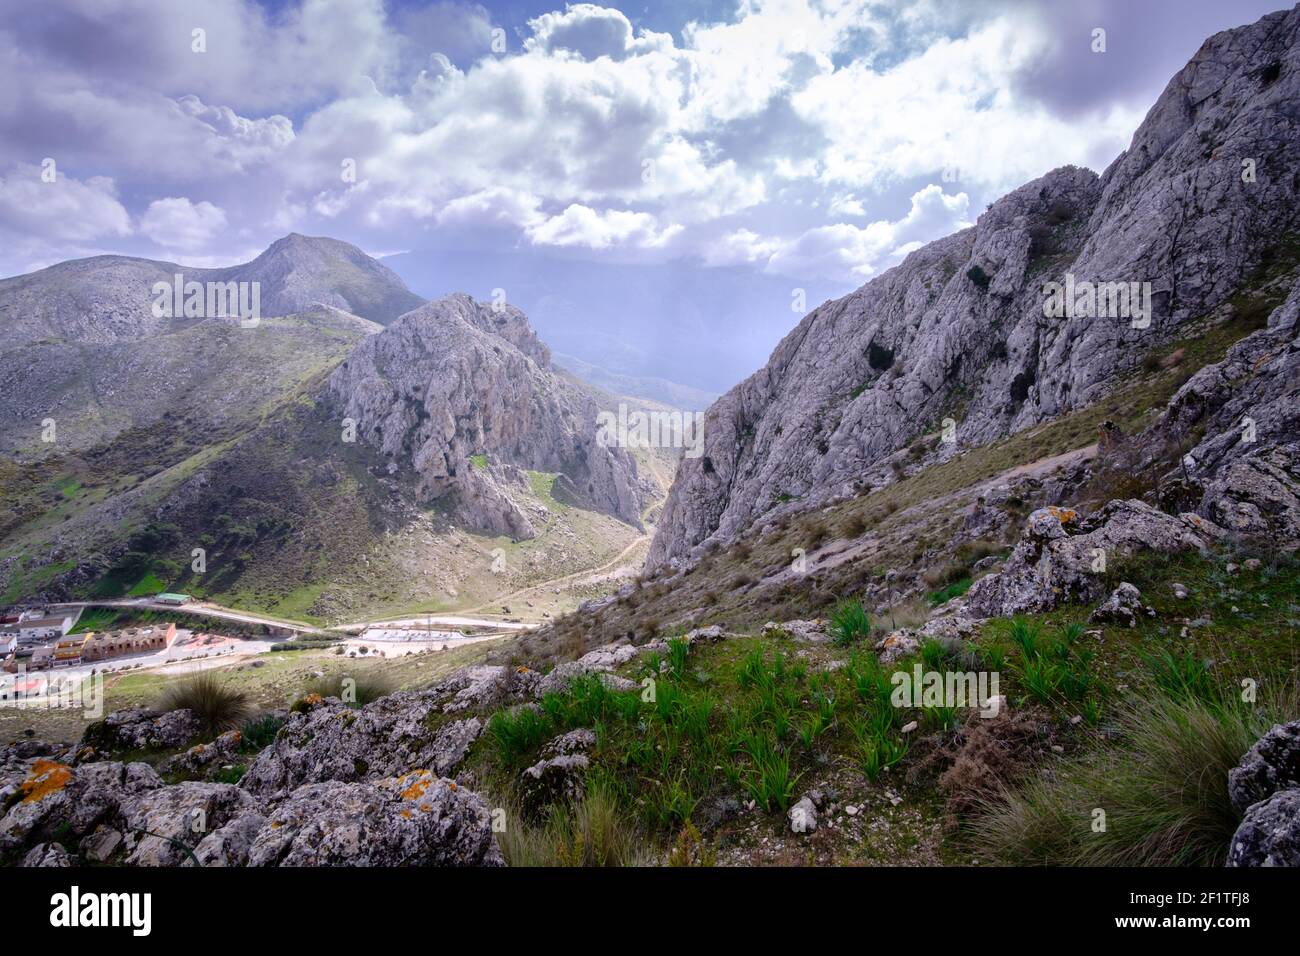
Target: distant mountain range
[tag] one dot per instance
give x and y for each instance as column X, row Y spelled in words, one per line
column 298, row 451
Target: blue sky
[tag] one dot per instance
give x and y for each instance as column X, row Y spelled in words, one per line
column 800, row 139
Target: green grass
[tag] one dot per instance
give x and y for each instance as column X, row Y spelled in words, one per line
column 849, row 623
column 1159, row 797
column 946, row 594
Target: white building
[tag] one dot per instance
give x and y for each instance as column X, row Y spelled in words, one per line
column 37, row 626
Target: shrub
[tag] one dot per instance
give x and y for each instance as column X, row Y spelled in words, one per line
column 978, row 276
column 1165, row 794
column 849, row 622
column 217, row 705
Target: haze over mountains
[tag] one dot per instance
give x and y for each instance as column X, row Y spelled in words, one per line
column 702, row 328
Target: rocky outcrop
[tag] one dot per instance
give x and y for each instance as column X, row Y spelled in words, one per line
column 331, row 741
column 959, row 328
column 1062, row 556
column 463, row 395
column 140, row 728
column 1265, row 787
column 417, row 819
column 338, row 787
column 1244, row 472
column 1271, row 765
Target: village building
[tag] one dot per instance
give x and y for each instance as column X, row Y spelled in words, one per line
column 37, row 626
column 132, row 640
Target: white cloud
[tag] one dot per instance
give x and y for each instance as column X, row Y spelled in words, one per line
column 582, row 226
column 844, row 251
column 592, row 31
column 65, row 209
column 177, row 223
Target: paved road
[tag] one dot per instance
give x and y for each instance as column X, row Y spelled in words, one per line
column 198, row 608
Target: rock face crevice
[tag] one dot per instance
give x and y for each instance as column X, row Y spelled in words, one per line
column 464, row 395
column 959, row 330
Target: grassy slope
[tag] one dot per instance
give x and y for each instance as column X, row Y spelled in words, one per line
column 766, row 719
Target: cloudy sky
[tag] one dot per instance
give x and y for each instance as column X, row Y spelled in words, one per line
column 799, row 138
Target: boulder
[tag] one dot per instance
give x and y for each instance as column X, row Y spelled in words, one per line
column 807, row 632
column 1272, row 764
column 1123, row 607
column 1269, row 835
column 552, row 780
column 1060, row 557
column 416, row 819
column 164, row 825
column 331, row 741
column 141, row 728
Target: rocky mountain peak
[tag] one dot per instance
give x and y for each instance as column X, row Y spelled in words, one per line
column 462, row 394
column 1205, row 194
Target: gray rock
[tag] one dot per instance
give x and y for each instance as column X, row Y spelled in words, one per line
column 897, row 644
column 1272, row 764
column 1124, row 607
column 389, row 736
column 552, row 780
column 142, row 728
column 416, row 819
column 204, row 759
column 1055, row 559
column 228, row 845
column 803, row 816
column 47, row 854
column 807, row 632
column 101, row 845
column 169, row 822
column 1269, row 835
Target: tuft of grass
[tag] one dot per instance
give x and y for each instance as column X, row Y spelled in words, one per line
column 258, row 733
column 518, row 732
column 1163, row 792
column 589, row 832
column 850, row 623
column 218, row 706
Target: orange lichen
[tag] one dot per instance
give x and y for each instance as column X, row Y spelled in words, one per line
column 407, row 814
column 46, row 777
column 416, row 790
column 1065, row 515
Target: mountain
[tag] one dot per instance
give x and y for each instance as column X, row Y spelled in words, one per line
column 82, row 344
column 465, row 394
column 174, row 433
column 1194, row 212
column 301, row 271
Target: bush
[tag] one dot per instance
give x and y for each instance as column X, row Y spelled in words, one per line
column 217, row 705
column 850, row 622
column 1165, row 794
